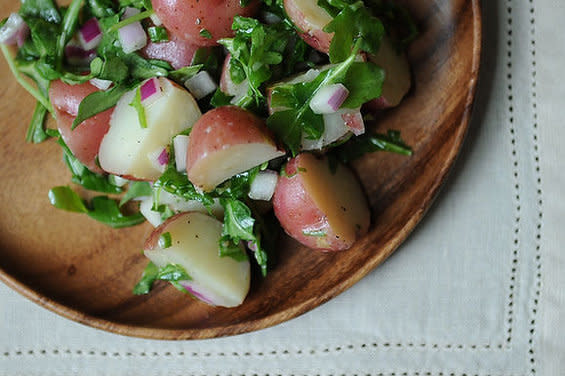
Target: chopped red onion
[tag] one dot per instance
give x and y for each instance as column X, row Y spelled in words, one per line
column 132, row 36
column 78, row 56
column 263, row 186
column 14, row 31
column 163, row 158
column 200, row 295
column 150, row 89
column 201, row 84
column 90, row 34
column 180, row 144
column 329, row 99
column 101, row 84
column 354, row 121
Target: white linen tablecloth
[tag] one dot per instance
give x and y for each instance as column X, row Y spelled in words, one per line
column 478, row 288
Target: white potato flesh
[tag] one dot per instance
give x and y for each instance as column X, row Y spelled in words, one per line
column 397, row 73
column 219, row 166
column 219, row 281
column 126, row 148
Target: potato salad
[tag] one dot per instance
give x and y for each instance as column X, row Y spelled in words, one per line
column 221, row 123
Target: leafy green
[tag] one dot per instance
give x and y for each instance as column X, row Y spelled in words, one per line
column 136, row 189
column 128, row 21
column 220, row 99
column 185, row 73
column 68, row 28
column 165, row 240
column 365, row 83
column 366, row 143
column 353, row 24
column 101, row 8
column 254, row 49
column 44, row 9
column 171, row 273
column 101, row 208
column 66, row 199
column 158, row 34
column 97, row 102
column 205, row 34
column 106, row 210
column 36, row 131
column 136, row 103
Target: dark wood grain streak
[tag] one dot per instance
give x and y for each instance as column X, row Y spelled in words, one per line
column 85, row 271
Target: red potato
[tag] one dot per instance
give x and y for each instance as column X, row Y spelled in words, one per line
column 227, row 141
column 310, row 19
column 321, row 210
column 179, row 53
column 187, row 18
column 228, row 86
column 195, row 237
column 398, row 78
column 84, row 141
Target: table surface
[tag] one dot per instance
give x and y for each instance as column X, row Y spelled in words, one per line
column 478, row 288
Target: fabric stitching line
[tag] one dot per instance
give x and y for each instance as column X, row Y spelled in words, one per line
column 517, row 223
column 194, row 354
column 394, row 373
column 539, row 202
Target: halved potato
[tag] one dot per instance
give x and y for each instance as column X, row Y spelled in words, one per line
column 310, row 19
column 215, row 280
column 128, row 149
column 227, row 141
column 321, row 209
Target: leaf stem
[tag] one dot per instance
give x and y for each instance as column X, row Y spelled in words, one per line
column 25, row 84
column 132, row 19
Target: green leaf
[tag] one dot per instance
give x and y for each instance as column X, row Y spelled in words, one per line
column 36, row 130
column 238, row 222
column 136, row 103
column 148, row 277
column 68, row 28
column 136, row 189
column 220, row 99
column 205, row 34
column 181, row 75
column 44, row 9
column 158, row 34
column 173, row 273
column 165, row 240
column 65, row 198
column 359, row 146
column 364, row 82
column 106, row 210
column 101, row 8
column 97, row 102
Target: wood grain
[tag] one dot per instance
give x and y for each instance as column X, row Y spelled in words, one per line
column 86, row 271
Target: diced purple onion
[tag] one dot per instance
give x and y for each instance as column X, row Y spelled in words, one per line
column 329, row 99
column 90, row 34
column 180, row 144
column 78, row 56
column 101, row 84
column 14, row 31
column 353, row 120
column 195, row 291
column 132, row 36
column 150, row 90
column 263, row 186
column 201, row 84
column 163, row 158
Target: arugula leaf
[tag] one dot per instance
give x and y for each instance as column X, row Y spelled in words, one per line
column 106, row 210
column 136, row 189
column 36, row 131
column 66, row 199
column 364, row 82
column 171, row 273
column 253, row 50
column 68, row 28
column 44, row 9
column 102, row 208
column 184, row 73
column 220, row 99
column 148, row 277
column 136, row 103
column 101, row 8
column 158, row 34
column 366, row 143
column 97, row 102
column 352, row 24
column 205, row 33
column 139, row 4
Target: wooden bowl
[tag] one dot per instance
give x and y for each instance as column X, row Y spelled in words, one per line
column 85, row 271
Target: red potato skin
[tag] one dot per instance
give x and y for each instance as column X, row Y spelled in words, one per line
column 152, row 240
column 177, row 52
column 296, row 211
column 186, row 18
column 316, row 38
column 223, row 127
column 84, row 141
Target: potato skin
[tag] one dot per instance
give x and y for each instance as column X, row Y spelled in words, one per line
column 179, row 53
column 186, row 18
column 310, row 32
column 306, row 218
column 84, row 141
